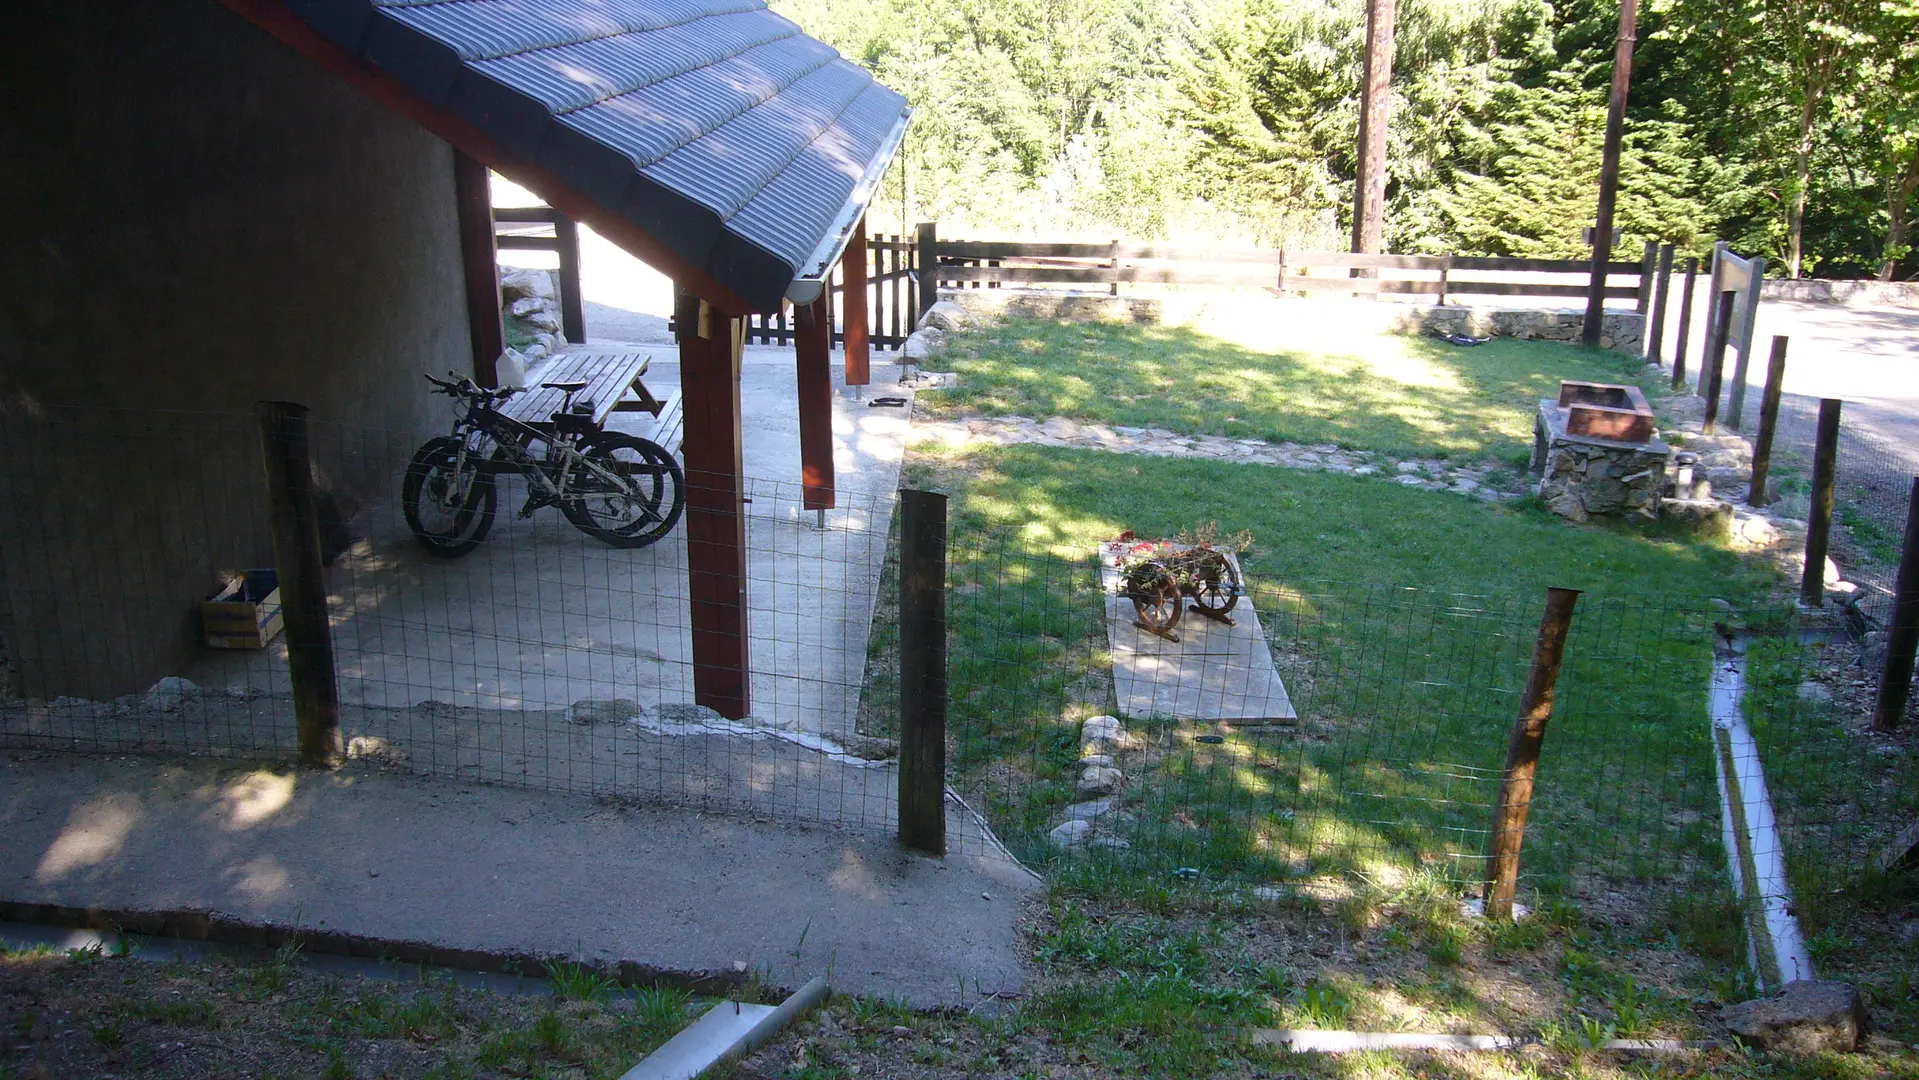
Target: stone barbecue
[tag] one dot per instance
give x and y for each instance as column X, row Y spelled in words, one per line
column 1596, row 453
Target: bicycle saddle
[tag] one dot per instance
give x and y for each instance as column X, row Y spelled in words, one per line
column 573, row 387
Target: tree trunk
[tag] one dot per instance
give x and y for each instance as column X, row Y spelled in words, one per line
column 1801, row 179
column 1899, row 192
column 1369, row 187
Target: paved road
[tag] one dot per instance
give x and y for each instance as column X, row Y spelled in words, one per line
column 1866, row 356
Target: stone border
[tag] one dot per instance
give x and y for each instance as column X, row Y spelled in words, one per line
column 1852, row 293
column 1428, row 474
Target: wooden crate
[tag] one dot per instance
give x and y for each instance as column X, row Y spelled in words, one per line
column 245, row 614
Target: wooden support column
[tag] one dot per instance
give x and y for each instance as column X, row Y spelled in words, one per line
column 854, row 305
column 473, row 202
column 566, row 242
column 711, row 342
column 813, row 349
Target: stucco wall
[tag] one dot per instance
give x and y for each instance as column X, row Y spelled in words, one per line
column 197, row 219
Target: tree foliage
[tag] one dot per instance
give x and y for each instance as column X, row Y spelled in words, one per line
column 1235, row 120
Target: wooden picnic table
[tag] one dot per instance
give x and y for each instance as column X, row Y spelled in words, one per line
column 613, row 384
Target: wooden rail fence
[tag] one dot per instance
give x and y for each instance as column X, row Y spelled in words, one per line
column 977, row 263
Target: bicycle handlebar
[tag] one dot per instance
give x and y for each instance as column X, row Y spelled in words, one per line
column 466, row 387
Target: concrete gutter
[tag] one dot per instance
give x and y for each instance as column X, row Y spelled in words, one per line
column 727, row 1031
column 1754, row 850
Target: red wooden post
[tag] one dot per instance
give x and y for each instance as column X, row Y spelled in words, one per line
column 813, row 348
column 853, row 302
column 710, row 345
column 479, row 261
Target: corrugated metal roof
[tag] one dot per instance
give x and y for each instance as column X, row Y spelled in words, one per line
column 714, row 126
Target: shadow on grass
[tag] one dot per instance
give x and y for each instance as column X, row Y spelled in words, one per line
column 1398, row 395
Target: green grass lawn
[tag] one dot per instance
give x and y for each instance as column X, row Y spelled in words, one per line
column 1394, row 394
column 1402, row 620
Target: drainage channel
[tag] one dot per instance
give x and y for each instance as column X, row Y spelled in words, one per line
column 1775, row 948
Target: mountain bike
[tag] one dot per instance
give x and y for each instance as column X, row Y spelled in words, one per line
column 617, row 488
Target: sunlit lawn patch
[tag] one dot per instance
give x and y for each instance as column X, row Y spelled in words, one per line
column 1395, row 394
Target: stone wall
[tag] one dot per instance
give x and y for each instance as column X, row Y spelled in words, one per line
column 198, row 219
column 1583, row 480
column 1846, row 293
column 1622, row 330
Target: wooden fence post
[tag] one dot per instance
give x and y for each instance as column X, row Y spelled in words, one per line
column 922, row 637
column 1648, row 271
column 1522, row 754
column 1825, row 459
column 296, row 559
column 1736, row 393
column 1685, row 325
column 926, row 256
column 1114, row 263
column 1768, row 423
column 566, row 241
column 1895, row 681
column 1716, row 358
column 1656, row 325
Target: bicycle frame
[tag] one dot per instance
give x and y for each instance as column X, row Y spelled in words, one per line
column 546, row 474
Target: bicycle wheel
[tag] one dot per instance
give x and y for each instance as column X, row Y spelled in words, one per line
column 1216, row 588
column 624, row 490
column 449, row 508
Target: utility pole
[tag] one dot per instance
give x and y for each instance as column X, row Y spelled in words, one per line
column 1375, row 109
column 1609, row 169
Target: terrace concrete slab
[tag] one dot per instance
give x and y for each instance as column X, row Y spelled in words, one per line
column 1214, row 672
column 473, row 866
column 541, row 617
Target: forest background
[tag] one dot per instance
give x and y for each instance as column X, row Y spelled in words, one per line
column 1788, row 127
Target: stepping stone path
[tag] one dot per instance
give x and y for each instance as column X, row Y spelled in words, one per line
column 1479, row 480
column 1101, row 739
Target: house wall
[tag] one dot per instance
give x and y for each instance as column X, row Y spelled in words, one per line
column 196, row 219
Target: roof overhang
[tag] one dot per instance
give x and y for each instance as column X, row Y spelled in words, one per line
column 709, row 138
column 811, row 280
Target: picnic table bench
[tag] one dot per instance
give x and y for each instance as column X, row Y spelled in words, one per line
column 612, row 383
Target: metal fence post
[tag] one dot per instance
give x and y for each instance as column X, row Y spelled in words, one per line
column 1685, row 324
column 1825, row 457
column 1656, row 326
column 1716, row 358
column 1895, row 681
column 922, row 804
column 296, row 558
column 1768, row 422
column 1522, row 754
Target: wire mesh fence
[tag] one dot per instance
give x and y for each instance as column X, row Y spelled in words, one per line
column 1381, row 751
column 1331, row 729
column 541, row 657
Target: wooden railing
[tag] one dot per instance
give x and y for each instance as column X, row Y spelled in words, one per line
column 992, row 264
column 892, row 296
column 542, row 228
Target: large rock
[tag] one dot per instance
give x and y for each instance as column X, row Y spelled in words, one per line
column 521, row 282
column 945, row 316
column 923, row 345
column 1100, row 780
column 1070, row 833
column 545, row 319
column 1703, row 517
column 1805, row 1017
column 1102, row 735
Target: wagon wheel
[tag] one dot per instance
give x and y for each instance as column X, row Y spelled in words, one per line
column 1155, row 597
column 1216, row 586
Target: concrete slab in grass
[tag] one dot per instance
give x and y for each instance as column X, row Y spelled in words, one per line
column 1214, row 672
